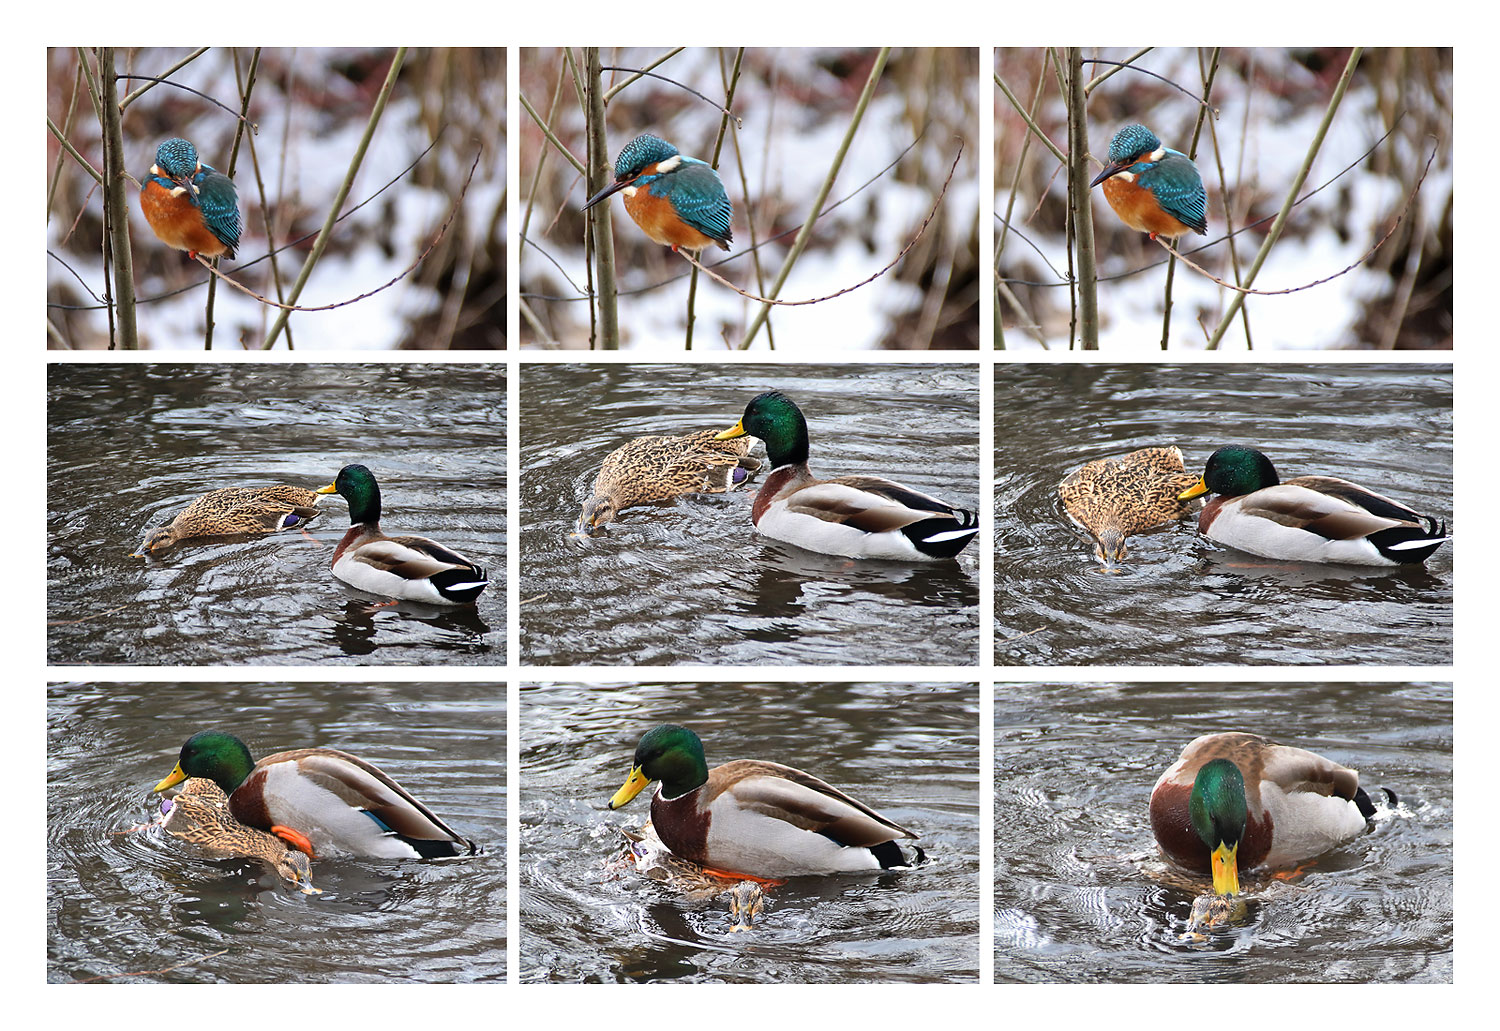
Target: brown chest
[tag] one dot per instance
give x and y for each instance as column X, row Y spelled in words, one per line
column 682, row 826
column 770, row 490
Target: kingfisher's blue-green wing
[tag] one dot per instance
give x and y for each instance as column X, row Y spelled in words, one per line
column 698, row 197
column 1178, row 188
column 220, row 203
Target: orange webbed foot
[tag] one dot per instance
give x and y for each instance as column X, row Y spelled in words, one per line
column 729, row 875
column 294, row 838
column 1293, row 874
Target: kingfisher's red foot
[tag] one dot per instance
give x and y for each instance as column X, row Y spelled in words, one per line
column 294, row 838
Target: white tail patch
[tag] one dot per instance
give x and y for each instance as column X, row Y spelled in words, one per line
column 950, row 535
column 1423, row 543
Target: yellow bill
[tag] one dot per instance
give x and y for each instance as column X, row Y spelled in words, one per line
column 172, row 779
column 632, row 787
column 1226, row 871
column 737, row 430
column 1197, row 490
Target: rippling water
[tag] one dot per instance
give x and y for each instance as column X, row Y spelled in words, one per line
column 1080, row 894
column 910, row 751
column 130, row 445
column 690, row 581
column 142, row 901
column 1179, row 597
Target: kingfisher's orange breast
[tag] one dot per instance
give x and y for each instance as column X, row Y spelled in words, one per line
column 177, row 222
column 1139, row 210
column 658, row 220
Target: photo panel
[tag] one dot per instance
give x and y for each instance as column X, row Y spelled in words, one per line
column 1334, row 551
column 246, row 572
column 387, row 865
column 1342, row 876
column 820, row 832
column 767, row 567
column 829, row 194
column 1224, row 198
column 274, row 198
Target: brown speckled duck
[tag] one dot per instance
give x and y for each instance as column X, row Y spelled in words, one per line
column 661, row 468
column 235, row 510
column 1112, row 498
column 199, row 814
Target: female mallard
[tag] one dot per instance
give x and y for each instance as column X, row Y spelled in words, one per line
column 320, row 799
column 1112, row 498
column 199, row 814
column 232, row 510
column 661, row 468
column 1236, row 801
column 753, row 818
column 1307, row 518
column 854, row 516
column 409, row 568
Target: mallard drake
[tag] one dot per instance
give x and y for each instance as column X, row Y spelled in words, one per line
column 232, row 510
column 661, row 468
column 1112, row 498
column 1307, row 518
column 1237, row 801
column 754, row 818
column 853, row 516
column 322, row 800
column 199, row 814
column 408, row 568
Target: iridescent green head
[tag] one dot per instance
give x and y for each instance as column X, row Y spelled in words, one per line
column 775, row 419
column 357, row 485
column 1234, row 471
column 670, row 754
column 215, row 755
column 1218, row 812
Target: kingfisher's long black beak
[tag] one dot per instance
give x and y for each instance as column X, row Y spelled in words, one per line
column 1109, row 170
column 618, row 184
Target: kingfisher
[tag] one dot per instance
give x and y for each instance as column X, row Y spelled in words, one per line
column 1154, row 189
column 676, row 200
column 191, row 206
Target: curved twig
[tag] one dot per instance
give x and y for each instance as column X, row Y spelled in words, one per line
column 864, row 282
column 1317, row 282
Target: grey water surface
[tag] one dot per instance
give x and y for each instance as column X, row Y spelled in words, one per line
column 1180, row 598
column 128, row 446
column 910, row 751
column 690, row 581
column 136, row 902
column 1081, row 893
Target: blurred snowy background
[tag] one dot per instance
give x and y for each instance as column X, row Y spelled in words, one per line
column 309, row 108
column 1266, row 105
column 796, row 105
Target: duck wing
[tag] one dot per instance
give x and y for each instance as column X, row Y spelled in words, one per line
column 414, row 558
column 804, row 801
column 869, row 503
column 361, row 785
